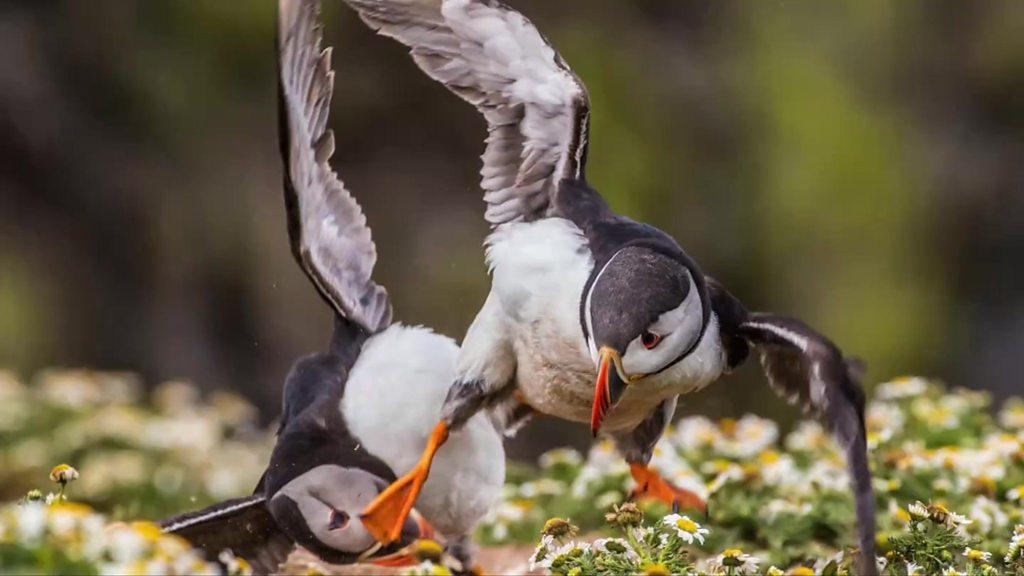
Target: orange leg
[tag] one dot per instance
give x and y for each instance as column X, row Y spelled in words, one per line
column 649, row 484
column 386, row 515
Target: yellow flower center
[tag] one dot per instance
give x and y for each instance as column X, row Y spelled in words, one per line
column 687, row 525
column 427, row 549
column 147, row 530
column 732, row 553
column 801, row 571
column 975, row 555
column 72, row 508
column 657, row 570
column 728, row 426
column 770, row 457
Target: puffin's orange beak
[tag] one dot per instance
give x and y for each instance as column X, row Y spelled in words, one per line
column 420, row 530
column 609, row 386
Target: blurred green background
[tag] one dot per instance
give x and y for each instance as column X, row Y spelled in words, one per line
column 860, row 165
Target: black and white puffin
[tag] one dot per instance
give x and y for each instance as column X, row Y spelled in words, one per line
column 580, row 294
column 360, row 414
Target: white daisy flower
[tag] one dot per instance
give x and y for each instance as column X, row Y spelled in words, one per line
column 914, row 569
column 1014, row 551
column 605, row 500
column 567, row 456
column 918, row 510
column 779, row 469
column 885, row 418
column 935, row 414
column 978, row 556
column 125, row 544
column 746, row 437
column 695, row 433
column 615, row 546
column 30, row 520
column 685, row 528
column 733, row 561
column 730, row 473
column 809, row 436
column 987, row 515
column 570, row 547
column 1012, row 414
column 640, row 533
column 542, row 555
column 903, row 387
column 63, row 473
column 235, row 565
column 602, row 461
column 782, row 507
column 542, row 487
column 1015, row 494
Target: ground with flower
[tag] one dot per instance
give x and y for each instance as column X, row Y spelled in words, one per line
column 949, row 476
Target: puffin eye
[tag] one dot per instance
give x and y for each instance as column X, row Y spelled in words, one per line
column 650, row 339
column 339, row 520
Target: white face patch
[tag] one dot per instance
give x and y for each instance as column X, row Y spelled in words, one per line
column 679, row 329
column 328, row 489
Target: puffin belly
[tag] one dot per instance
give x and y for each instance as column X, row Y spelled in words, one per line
column 466, row 478
column 392, row 403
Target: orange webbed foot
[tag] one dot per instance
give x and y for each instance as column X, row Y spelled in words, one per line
column 650, row 484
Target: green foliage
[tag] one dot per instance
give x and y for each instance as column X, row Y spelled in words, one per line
column 139, row 457
column 789, row 502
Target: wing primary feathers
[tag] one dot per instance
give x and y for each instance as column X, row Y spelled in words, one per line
column 330, row 239
column 806, row 368
column 537, row 110
column 243, row 525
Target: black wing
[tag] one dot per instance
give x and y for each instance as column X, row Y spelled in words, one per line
column 243, row 525
column 327, row 227
column 809, row 370
column 537, row 110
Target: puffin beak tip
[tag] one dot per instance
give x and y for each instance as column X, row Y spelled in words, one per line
column 607, row 389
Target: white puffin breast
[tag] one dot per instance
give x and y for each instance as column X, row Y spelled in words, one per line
column 392, row 403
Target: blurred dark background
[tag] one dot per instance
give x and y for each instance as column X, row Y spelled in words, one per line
column 858, row 165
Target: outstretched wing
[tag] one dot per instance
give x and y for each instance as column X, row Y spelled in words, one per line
column 537, row 110
column 243, row 526
column 328, row 231
column 807, row 369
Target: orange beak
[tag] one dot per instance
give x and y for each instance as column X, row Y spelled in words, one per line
column 609, row 386
column 406, row 556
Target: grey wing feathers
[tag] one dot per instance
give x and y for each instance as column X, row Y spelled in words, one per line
column 537, row 110
column 807, row 369
column 329, row 235
column 243, row 526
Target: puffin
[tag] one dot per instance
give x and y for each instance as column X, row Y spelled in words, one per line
column 591, row 317
column 358, row 415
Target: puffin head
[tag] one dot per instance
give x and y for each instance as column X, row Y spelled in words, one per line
column 319, row 509
column 646, row 309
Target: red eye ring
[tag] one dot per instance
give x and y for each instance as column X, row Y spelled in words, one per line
column 650, row 339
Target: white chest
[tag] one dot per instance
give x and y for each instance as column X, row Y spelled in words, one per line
column 540, row 270
column 392, row 402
